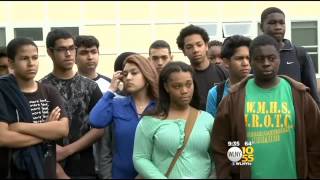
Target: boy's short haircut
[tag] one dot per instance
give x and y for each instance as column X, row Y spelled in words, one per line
column 15, row 44
column 214, row 43
column 160, row 44
column 118, row 64
column 230, row 44
column 86, row 41
column 56, row 34
column 268, row 11
column 263, row 40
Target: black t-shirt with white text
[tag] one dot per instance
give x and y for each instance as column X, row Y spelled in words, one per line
column 41, row 103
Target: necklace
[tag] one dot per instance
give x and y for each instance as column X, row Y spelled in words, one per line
column 140, row 108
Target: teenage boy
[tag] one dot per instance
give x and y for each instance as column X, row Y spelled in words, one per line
column 31, row 117
column 275, row 114
column 193, row 41
column 87, row 59
column 295, row 61
column 160, row 54
column 79, row 94
column 235, row 54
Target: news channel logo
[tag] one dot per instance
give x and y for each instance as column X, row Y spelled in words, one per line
column 240, row 156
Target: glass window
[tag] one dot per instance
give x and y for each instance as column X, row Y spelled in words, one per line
column 34, row 34
column 230, row 29
column 211, row 28
column 74, row 31
column 305, row 33
column 3, row 37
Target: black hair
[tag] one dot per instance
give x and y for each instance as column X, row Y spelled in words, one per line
column 118, row 64
column 16, row 43
column 86, row 41
column 3, row 52
column 189, row 30
column 214, row 43
column 263, row 40
column 56, row 34
column 230, row 44
column 268, row 11
column 160, row 44
column 163, row 104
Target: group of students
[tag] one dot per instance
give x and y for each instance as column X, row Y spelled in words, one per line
column 158, row 118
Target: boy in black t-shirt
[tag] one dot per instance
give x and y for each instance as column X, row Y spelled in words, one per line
column 193, row 41
column 80, row 94
column 31, row 116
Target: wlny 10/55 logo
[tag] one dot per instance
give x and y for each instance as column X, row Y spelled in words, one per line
column 240, row 156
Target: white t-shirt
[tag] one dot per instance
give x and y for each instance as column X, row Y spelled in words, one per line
column 103, row 82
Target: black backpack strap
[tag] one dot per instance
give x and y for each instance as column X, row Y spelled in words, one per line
column 301, row 55
column 220, row 89
column 222, row 72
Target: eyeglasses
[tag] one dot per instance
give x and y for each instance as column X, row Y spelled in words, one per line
column 64, row 49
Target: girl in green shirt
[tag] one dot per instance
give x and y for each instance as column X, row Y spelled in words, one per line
column 160, row 133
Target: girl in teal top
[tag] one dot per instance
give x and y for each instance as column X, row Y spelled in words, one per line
column 160, row 133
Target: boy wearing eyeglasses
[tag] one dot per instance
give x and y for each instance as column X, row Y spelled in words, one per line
column 79, row 94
